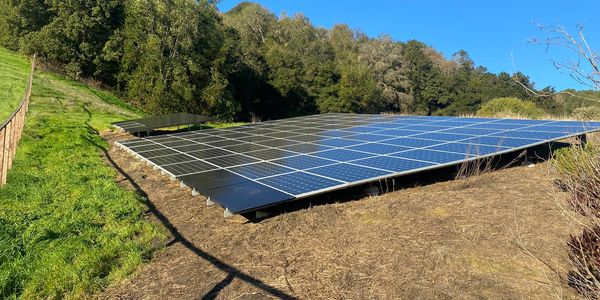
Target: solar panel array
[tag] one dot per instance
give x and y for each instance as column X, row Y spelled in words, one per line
column 248, row 167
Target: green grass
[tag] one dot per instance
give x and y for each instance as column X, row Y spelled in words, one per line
column 67, row 230
column 14, row 70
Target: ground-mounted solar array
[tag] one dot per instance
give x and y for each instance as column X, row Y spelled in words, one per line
column 249, row 167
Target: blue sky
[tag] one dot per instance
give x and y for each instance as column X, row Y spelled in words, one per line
column 491, row 31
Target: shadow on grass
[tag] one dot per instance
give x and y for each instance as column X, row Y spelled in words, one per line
column 232, row 272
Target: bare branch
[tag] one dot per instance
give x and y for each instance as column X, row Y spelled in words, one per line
column 587, row 73
column 535, row 93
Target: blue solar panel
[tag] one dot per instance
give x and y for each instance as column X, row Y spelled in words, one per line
column 562, row 129
column 362, row 129
column 349, row 173
column 431, row 156
column 426, row 128
column 412, row 142
column 378, row 148
column 306, row 148
column 471, row 131
column 231, row 160
column 368, row 137
column 500, row 141
column 336, row 133
column 392, row 164
column 399, row 132
column 260, row 170
column 257, row 165
column 442, row 136
column 299, row 183
column 466, row 148
column 523, row 122
column 494, row 126
column 538, row 135
column 302, row 162
column 342, row 154
column 339, row 142
column 171, row 159
column 386, row 125
column 189, row 167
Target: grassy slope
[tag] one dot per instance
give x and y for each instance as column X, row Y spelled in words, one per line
column 66, row 228
column 13, row 71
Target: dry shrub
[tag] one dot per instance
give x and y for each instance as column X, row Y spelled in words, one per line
column 470, row 172
column 254, row 118
column 475, row 168
column 584, row 254
column 578, row 172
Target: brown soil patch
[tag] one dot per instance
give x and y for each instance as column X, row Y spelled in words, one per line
column 499, row 236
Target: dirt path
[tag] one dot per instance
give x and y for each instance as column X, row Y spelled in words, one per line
column 465, row 239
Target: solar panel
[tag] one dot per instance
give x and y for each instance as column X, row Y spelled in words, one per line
column 249, row 167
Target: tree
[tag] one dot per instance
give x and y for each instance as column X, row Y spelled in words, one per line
column 385, row 60
column 358, row 91
column 254, row 24
column 75, row 34
column 19, row 18
column 172, row 51
column 218, row 97
column 426, row 80
column 301, row 64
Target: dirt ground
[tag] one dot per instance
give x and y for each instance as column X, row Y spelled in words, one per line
column 499, row 235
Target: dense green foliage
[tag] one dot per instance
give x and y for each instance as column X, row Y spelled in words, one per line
column 184, row 55
column 507, row 107
column 66, row 228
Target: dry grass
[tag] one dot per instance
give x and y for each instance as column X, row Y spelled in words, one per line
column 500, row 237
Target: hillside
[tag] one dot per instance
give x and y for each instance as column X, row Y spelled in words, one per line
column 67, row 230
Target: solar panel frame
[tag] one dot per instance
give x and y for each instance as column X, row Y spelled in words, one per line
column 449, row 133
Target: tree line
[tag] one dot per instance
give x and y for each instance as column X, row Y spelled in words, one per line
column 184, row 55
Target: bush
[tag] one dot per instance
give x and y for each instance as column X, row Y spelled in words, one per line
column 510, row 107
column 578, row 172
column 584, row 254
column 587, row 113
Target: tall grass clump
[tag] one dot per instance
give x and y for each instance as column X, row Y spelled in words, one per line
column 511, row 107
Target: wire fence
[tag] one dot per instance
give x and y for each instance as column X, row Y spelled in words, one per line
column 12, row 128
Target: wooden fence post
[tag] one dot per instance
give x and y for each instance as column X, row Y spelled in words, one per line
column 2, row 158
column 9, row 144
